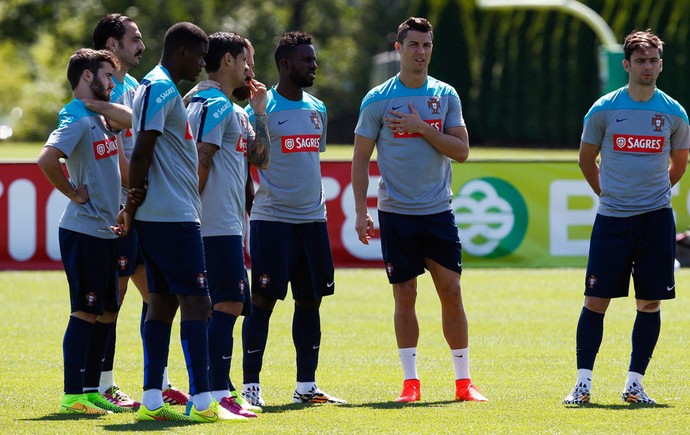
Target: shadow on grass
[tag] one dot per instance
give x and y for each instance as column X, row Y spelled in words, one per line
column 372, row 405
column 619, row 406
column 134, row 426
column 64, row 417
column 146, row 426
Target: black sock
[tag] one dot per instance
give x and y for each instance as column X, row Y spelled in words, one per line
column 156, row 348
column 254, row 337
column 94, row 359
column 75, row 346
column 220, row 329
column 590, row 331
column 306, row 334
column 194, row 339
column 109, row 358
column 645, row 334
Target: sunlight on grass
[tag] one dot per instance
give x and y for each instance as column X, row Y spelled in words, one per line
column 522, row 334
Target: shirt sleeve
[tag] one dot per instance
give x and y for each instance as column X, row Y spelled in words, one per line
column 454, row 116
column 67, row 136
column 158, row 102
column 680, row 138
column 370, row 121
column 594, row 129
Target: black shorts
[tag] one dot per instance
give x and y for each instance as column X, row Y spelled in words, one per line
column 89, row 266
column 129, row 254
column 406, row 240
column 642, row 246
column 227, row 276
column 296, row 253
column 174, row 257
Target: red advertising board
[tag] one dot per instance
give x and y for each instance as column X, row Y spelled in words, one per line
column 30, row 209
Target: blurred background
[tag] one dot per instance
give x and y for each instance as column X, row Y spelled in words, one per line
column 525, row 77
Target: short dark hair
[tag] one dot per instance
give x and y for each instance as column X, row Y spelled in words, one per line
column 110, row 26
column 183, row 34
column 87, row 58
column 288, row 43
column 414, row 23
column 220, row 43
column 638, row 39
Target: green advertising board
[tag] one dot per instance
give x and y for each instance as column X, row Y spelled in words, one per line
column 531, row 214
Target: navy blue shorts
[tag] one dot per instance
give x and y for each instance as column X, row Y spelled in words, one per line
column 406, row 240
column 88, row 263
column 643, row 246
column 227, row 276
column 296, row 253
column 128, row 253
column 174, row 257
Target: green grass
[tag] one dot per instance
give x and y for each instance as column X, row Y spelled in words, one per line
column 27, row 151
column 522, row 333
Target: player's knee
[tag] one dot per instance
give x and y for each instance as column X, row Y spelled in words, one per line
column 229, row 307
column 303, row 303
column 263, row 302
column 648, row 306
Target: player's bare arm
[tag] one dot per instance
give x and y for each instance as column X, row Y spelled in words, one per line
column 259, row 150
column 679, row 162
column 364, row 224
column 587, row 160
column 49, row 162
column 453, row 142
column 206, row 152
column 119, row 116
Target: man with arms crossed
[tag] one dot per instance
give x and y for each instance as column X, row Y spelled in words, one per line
column 225, row 142
column 87, row 241
column 288, row 234
column 416, row 124
column 167, row 222
column 641, row 136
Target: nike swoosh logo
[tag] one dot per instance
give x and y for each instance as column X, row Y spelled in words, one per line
column 282, row 122
column 621, row 120
column 330, row 284
column 315, row 347
column 82, row 370
column 227, row 357
column 670, row 288
column 254, row 351
column 397, row 107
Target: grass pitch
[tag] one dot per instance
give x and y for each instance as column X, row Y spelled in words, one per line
column 522, row 340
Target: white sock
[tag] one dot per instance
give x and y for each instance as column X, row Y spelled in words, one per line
column 305, row 387
column 633, row 378
column 107, row 381
column 584, row 377
column 152, row 399
column 220, row 395
column 166, row 381
column 408, row 358
column 202, row 401
column 461, row 362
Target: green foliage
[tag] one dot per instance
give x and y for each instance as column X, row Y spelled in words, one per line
column 525, row 77
column 522, row 342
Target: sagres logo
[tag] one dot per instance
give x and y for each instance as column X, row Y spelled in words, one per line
column 491, row 216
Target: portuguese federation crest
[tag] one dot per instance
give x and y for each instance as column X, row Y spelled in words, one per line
column 434, row 104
